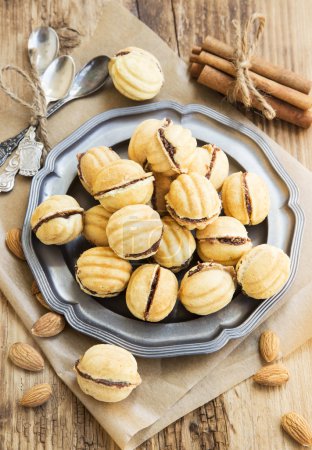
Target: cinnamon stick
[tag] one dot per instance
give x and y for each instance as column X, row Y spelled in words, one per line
column 285, row 93
column 221, row 82
column 260, row 66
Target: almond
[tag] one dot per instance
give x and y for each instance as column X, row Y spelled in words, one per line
column 298, row 428
column 13, row 242
column 26, row 357
column 273, row 375
column 36, row 395
column 269, row 345
column 36, row 292
column 50, row 324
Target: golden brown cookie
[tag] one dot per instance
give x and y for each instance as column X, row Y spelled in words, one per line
column 161, row 188
column 211, row 162
column 135, row 232
column 176, row 247
column 224, row 241
column 192, row 201
column 207, row 288
column 136, row 73
column 95, row 222
column 100, row 272
column 152, row 292
column 108, row 373
column 57, row 220
column 246, row 197
column 263, row 271
column 91, row 162
column 123, row 183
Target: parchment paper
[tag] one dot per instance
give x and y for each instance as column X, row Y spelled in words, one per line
column 171, row 387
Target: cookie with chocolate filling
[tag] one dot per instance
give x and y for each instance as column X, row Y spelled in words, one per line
column 136, row 73
column 135, row 232
column 57, row 220
column 207, row 288
column 123, row 183
column 171, row 150
column 151, row 292
column 107, row 373
column 91, row 162
column 192, row 201
column 141, row 138
column 176, row 247
column 263, row 271
column 100, row 272
column 224, row 241
column 246, row 197
column 94, row 228
column 211, row 162
column 161, row 188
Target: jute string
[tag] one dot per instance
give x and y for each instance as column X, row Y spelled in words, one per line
column 38, row 107
column 243, row 88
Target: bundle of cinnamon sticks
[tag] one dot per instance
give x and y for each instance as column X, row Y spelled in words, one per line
column 286, row 91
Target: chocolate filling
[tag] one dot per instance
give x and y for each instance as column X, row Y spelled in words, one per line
column 152, row 249
column 213, row 160
column 186, row 219
column 97, row 194
column 109, row 383
column 122, row 53
column 63, row 215
column 170, row 149
column 228, row 240
column 182, row 266
column 151, row 295
column 200, row 266
column 247, row 196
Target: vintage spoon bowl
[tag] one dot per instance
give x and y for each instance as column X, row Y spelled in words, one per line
column 58, row 78
column 43, row 47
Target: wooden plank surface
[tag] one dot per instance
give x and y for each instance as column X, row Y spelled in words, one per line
column 246, row 417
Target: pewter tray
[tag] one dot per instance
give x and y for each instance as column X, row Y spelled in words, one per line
column 108, row 320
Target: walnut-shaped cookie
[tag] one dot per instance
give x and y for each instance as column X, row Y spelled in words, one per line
column 224, row 241
column 91, row 162
column 141, row 138
column 151, row 292
column 136, row 73
column 107, row 373
column 171, row 150
column 246, row 197
column 207, row 288
column 100, row 272
column 57, row 220
column 176, row 247
column 135, row 232
column 123, row 183
column 211, row 162
column 192, row 201
column 263, row 271
column 94, row 228
column 161, row 188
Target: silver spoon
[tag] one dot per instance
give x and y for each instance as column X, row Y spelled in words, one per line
column 58, row 78
column 43, row 47
column 88, row 80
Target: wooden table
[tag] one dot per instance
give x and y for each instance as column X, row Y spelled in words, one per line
column 246, row 417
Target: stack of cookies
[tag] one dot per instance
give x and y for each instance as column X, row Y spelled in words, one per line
column 160, row 207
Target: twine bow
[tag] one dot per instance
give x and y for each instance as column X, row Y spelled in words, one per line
column 243, row 87
column 38, row 107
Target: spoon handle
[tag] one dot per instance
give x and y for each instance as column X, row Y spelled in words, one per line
column 7, row 147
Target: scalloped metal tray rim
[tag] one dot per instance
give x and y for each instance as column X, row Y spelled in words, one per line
column 227, row 334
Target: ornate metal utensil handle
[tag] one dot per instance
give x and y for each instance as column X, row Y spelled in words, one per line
column 7, row 147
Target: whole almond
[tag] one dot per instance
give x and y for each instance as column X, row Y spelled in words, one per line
column 269, row 345
column 273, row 375
column 26, row 357
column 36, row 292
column 13, row 242
column 36, row 395
column 298, row 428
column 50, row 324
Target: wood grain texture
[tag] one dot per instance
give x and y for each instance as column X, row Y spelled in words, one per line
column 246, row 417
